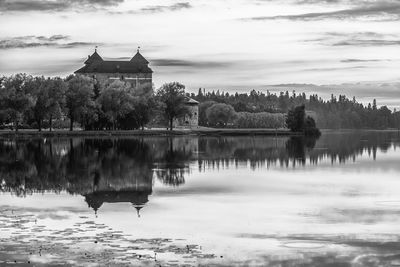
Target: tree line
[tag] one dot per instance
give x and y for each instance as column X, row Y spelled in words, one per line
column 335, row 113
column 39, row 102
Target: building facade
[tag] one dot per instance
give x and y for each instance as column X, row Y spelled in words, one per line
column 191, row 119
column 135, row 71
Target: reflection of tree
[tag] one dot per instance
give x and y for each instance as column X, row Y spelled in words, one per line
column 297, row 147
column 174, row 177
column 83, row 166
column 173, row 165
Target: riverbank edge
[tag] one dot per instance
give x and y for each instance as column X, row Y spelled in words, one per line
column 176, row 132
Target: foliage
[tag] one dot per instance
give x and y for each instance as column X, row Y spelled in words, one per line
column 143, row 103
column 310, row 127
column 115, row 102
column 295, row 119
column 202, row 112
column 49, row 100
column 171, row 97
column 334, row 113
column 259, row 120
column 79, row 99
column 17, row 97
column 220, row 115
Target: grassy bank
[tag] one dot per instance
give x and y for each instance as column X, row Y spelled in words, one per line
column 152, row 132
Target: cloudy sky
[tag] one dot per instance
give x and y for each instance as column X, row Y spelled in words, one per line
column 325, row 46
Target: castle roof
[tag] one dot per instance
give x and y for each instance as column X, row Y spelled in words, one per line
column 191, row 101
column 95, row 64
column 139, row 59
column 93, row 58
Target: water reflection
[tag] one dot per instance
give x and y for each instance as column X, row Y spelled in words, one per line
column 124, row 170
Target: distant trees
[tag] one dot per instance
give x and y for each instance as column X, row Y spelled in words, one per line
column 171, row 97
column 334, row 113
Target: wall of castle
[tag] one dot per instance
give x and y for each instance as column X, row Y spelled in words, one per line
column 134, row 78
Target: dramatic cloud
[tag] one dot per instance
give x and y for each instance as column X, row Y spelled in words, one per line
column 38, row 41
column 368, row 10
column 54, row 5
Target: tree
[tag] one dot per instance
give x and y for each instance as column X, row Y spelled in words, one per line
column 56, row 99
column 171, row 97
column 116, row 101
column 40, row 108
column 295, row 119
column 220, row 114
column 17, row 97
column 143, row 103
column 310, row 128
column 79, row 96
column 202, row 112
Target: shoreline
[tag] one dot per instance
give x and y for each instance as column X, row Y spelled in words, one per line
column 155, row 132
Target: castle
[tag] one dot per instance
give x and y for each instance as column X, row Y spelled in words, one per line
column 137, row 72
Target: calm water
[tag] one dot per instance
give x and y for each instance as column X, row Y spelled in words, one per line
column 228, row 201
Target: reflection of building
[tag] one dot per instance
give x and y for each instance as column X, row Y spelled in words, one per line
column 191, row 119
column 138, row 198
column 136, row 71
column 135, row 190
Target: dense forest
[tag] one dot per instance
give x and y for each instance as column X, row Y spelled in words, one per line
column 336, row 113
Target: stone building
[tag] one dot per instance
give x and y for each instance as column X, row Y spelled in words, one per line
column 192, row 119
column 136, row 71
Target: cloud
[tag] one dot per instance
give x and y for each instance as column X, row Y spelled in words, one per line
column 354, row 60
column 57, row 5
column 357, row 39
column 189, row 63
column 333, row 69
column 155, row 9
column 367, row 43
column 369, row 10
column 39, row 41
column 173, row 7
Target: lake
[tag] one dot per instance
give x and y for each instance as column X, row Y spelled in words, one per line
column 219, row 201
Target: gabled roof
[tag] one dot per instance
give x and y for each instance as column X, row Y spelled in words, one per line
column 93, row 58
column 95, row 64
column 139, row 59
